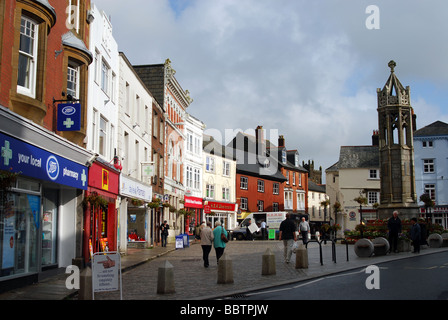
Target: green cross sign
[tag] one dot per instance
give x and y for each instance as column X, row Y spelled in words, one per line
column 6, row 153
column 83, row 177
column 68, row 123
column 148, row 170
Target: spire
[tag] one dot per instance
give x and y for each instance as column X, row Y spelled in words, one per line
column 393, row 92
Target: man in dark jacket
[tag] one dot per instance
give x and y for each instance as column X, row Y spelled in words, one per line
column 394, row 226
column 287, row 233
column 415, row 235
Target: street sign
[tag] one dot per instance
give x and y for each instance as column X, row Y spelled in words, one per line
column 69, row 117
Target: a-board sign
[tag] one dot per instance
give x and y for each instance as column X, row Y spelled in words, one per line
column 106, row 272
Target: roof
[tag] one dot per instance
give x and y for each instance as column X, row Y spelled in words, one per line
column 211, row 146
column 352, row 157
column 437, row 128
column 312, row 186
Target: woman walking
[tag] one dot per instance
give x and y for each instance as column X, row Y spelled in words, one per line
column 218, row 243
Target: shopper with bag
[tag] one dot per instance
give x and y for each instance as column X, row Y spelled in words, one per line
column 220, row 239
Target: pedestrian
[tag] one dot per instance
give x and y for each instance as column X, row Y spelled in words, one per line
column 415, row 234
column 164, row 232
column 206, row 242
column 394, row 226
column 249, row 235
column 263, row 230
column 287, row 233
column 218, row 243
column 304, row 229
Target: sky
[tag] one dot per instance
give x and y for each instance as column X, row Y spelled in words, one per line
column 307, row 70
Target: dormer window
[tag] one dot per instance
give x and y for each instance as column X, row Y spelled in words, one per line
column 296, row 159
column 284, row 156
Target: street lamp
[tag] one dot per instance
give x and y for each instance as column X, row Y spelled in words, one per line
column 362, row 201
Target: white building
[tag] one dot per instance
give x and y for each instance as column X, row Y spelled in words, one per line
column 102, row 110
column 193, row 163
column 219, row 183
column 134, row 152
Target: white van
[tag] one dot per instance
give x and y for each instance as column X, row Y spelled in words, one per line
column 272, row 219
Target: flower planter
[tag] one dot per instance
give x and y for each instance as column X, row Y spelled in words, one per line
column 404, row 246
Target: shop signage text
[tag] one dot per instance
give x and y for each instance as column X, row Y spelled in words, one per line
column 19, row 156
column 135, row 189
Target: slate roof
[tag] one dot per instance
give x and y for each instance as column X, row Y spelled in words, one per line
column 351, row 157
column 312, row 186
column 437, row 128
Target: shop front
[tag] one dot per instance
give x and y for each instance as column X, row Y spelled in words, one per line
column 226, row 212
column 40, row 194
column 100, row 212
column 194, row 217
column 136, row 221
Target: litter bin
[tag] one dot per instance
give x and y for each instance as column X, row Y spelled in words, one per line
column 180, row 241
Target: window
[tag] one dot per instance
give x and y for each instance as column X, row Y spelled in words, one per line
column 226, row 194
column 210, row 191
column 374, row 174
column 155, row 126
column 97, row 65
column 430, row 189
column 243, row 183
column 275, row 207
column 260, row 186
column 26, row 81
column 73, row 80
column 287, row 176
column 244, row 204
column 427, row 144
column 128, row 99
column 296, row 160
column 197, row 179
column 428, row 165
column 189, row 141
column 373, row 197
column 300, row 201
column 260, row 205
column 105, row 77
column 210, row 164
column 102, row 136
column 288, row 200
column 226, row 168
column 189, row 177
column 275, row 188
column 293, row 178
column 112, row 87
column 284, row 156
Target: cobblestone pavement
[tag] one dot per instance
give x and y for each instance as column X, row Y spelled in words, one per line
column 194, row 282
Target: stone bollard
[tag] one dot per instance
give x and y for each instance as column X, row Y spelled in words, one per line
column 380, row 246
column 364, row 248
column 268, row 263
column 301, row 257
column 225, row 270
column 165, row 281
column 85, row 284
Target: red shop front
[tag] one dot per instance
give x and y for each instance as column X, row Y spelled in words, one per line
column 193, row 204
column 100, row 212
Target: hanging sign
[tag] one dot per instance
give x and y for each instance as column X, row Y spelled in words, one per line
column 69, row 117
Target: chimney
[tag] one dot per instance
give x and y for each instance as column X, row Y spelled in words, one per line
column 259, row 137
column 281, row 142
column 375, row 138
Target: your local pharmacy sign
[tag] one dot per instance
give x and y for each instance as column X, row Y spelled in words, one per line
column 19, row 156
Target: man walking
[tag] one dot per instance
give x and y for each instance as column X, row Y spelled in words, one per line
column 394, row 226
column 164, row 232
column 288, row 235
column 304, row 228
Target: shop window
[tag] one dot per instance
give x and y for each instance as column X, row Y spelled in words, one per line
column 49, row 227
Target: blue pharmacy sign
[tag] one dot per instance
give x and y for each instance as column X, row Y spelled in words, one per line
column 31, row 161
column 69, row 117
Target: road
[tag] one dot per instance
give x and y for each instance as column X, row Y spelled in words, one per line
column 418, row 278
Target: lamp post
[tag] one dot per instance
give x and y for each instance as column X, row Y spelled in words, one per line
column 361, row 200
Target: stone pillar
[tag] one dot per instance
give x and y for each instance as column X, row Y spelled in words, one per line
column 85, row 284
column 225, row 270
column 268, row 263
column 301, row 257
column 165, row 280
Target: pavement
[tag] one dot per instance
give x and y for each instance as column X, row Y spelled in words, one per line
column 194, row 282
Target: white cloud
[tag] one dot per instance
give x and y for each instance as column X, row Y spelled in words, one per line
column 307, row 68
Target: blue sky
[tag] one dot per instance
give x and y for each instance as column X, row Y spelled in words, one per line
column 309, row 69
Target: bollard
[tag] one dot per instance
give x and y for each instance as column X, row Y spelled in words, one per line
column 165, row 281
column 435, row 240
column 301, row 257
column 225, row 270
column 268, row 263
column 85, row 284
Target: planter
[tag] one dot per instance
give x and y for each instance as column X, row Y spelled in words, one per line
column 404, row 246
